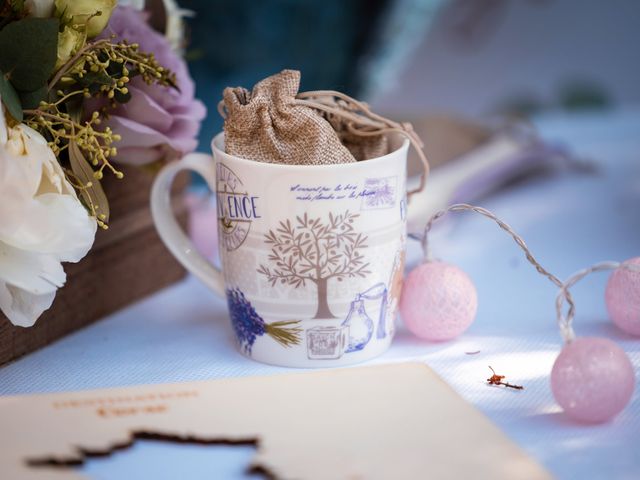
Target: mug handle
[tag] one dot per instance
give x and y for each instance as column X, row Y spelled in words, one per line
column 167, row 226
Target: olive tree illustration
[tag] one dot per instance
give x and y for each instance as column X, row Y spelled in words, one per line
column 314, row 251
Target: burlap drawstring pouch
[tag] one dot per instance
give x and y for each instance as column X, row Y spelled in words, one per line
column 275, row 124
column 362, row 148
column 268, row 125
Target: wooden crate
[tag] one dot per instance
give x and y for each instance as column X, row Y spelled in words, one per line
column 126, row 263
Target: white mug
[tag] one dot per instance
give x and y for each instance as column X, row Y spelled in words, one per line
column 312, row 255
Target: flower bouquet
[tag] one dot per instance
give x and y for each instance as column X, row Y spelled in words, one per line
column 93, row 100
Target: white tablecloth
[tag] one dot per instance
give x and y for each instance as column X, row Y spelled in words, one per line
column 569, row 221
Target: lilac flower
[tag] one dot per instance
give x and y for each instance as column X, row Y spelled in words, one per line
column 158, row 122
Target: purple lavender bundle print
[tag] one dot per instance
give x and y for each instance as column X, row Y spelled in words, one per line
column 248, row 325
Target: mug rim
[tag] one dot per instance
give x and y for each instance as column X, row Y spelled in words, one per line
column 218, row 141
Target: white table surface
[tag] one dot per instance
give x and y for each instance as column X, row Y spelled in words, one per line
column 569, row 221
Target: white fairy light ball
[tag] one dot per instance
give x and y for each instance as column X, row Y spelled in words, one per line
column 438, row 302
column 592, row 379
column 622, row 297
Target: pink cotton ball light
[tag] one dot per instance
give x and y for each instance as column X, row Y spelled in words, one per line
column 438, row 302
column 623, row 298
column 592, row 379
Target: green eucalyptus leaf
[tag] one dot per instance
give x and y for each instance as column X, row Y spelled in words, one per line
column 93, row 195
column 116, row 69
column 33, row 99
column 94, row 78
column 10, row 98
column 17, row 5
column 29, row 49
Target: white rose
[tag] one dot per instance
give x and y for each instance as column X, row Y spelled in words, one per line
column 70, row 41
column 42, row 223
column 94, row 14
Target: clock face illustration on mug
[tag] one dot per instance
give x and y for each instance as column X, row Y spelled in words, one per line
column 236, row 208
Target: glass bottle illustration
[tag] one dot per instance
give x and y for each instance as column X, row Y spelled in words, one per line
column 360, row 324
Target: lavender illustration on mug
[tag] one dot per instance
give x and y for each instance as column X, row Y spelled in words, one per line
column 248, row 325
column 380, row 193
column 313, row 250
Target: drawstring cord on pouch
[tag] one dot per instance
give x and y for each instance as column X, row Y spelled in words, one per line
column 360, row 121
